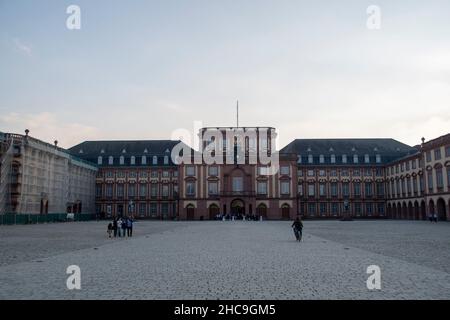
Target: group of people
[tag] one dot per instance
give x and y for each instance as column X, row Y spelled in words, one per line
column 433, row 217
column 121, row 227
column 249, row 217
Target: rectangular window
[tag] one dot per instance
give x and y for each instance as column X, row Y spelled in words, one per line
column 165, row 174
column 300, row 173
column 413, row 164
column 312, row 209
column 437, row 154
column 334, row 208
column 358, row 208
column 284, row 170
column 109, row 190
column 356, row 172
column 165, row 191
column 143, row 175
column 98, row 190
column 190, row 171
column 238, row 184
column 448, row 177
column 407, row 165
column 334, row 189
column 369, row 208
column 142, row 190
column 345, row 189
column 310, row 159
column 447, row 151
column 357, row 189
column 321, row 159
column 408, row 185
column 213, row 188
column 378, row 158
column 380, row 189
column 131, row 190
column 323, row 208
column 120, row 190
column 322, row 173
column 213, row 171
column 154, row 174
column 366, row 158
column 190, row 188
column 310, row 173
column 379, row 172
column 428, row 156
column 380, row 208
column 154, row 190
column 421, row 184
column 368, row 189
column 439, row 178
column 322, row 190
column 344, row 158
column 368, row 172
column 300, row 189
column 142, row 209
column 311, row 190
column 344, row 173
column 285, row 187
column 414, row 182
column 355, row 158
column 333, row 173
column 153, row 209
column 430, row 180
column 333, row 158
column 262, row 187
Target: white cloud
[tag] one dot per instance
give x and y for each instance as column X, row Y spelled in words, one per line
column 22, row 47
column 47, row 127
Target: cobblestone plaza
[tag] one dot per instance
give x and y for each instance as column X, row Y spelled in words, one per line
column 227, row 260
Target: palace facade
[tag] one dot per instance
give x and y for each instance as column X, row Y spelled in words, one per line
column 231, row 174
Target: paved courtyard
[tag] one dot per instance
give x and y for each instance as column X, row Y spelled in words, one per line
column 227, row 260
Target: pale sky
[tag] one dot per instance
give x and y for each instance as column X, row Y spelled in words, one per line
column 142, row 69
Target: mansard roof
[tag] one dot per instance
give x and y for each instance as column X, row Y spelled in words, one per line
column 387, row 149
column 91, row 150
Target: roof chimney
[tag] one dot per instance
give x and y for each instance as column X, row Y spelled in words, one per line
column 27, row 132
column 56, row 143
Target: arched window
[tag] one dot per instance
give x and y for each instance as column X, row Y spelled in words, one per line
column 144, row 160
column 155, row 160
column 100, row 160
column 110, row 160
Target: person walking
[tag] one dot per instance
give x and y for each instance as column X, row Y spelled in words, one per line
column 115, row 227
column 124, row 226
column 119, row 227
column 110, row 229
column 298, row 228
column 130, row 227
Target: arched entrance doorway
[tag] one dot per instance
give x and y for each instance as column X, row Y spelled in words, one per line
column 423, row 210
column 190, row 212
column 394, row 211
column 285, row 211
column 261, row 210
column 410, row 211
column 389, row 210
column 416, row 211
column 441, row 212
column 213, row 211
column 431, row 208
column 404, row 211
column 237, row 208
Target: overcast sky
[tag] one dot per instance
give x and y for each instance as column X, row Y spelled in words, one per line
column 142, row 69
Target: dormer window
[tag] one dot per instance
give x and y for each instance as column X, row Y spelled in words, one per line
column 144, row 159
column 378, row 158
column 100, row 160
column 299, row 159
column 166, row 159
column 122, row 160
column 333, row 158
column 310, row 158
column 155, row 160
column 366, row 158
column 132, row 160
column 321, row 159
column 344, row 158
column 355, row 158
column 110, row 160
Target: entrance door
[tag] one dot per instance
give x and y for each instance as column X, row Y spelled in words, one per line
column 190, row 210
column 237, row 208
column 285, row 211
column 213, row 211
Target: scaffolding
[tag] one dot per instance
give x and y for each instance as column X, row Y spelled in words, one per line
column 43, row 178
column 6, row 155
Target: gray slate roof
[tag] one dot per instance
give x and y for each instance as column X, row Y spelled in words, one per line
column 388, row 149
column 91, row 150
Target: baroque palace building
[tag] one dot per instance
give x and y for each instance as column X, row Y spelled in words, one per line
column 314, row 178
